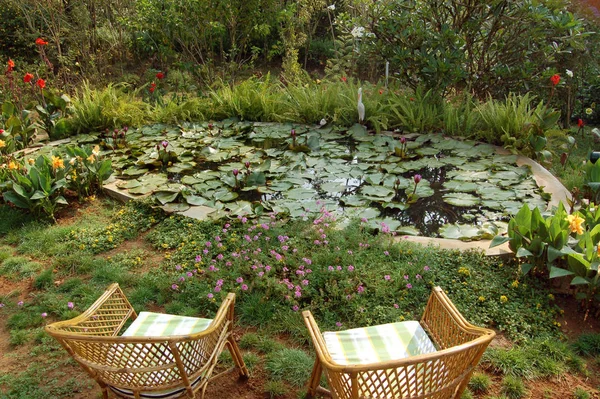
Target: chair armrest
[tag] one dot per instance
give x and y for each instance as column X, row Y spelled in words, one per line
column 446, row 326
column 105, row 317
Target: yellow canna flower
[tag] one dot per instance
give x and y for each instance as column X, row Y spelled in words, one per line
column 2, row 143
column 575, row 222
column 57, row 163
column 12, row 165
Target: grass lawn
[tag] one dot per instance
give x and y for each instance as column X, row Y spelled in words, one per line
column 277, row 268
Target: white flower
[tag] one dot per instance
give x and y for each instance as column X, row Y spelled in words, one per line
column 323, row 122
column 358, row 31
column 589, row 111
column 569, row 73
column 331, row 7
column 72, row 161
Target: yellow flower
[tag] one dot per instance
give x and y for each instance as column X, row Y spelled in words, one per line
column 598, row 250
column 515, row 284
column 57, row 163
column 12, row 165
column 551, row 297
column 481, row 298
column 575, row 222
column 465, row 271
column 503, row 298
column 30, row 161
column 91, row 158
column 2, row 143
column 96, row 150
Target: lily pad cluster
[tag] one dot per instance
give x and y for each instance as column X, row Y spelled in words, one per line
column 465, row 189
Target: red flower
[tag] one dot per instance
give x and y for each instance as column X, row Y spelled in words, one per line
column 344, row 79
column 160, row 75
column 380, row 91
column 152, row 87
column 580, row 123
column 11, row 65
column 555, row 79
column 40, row 42
column 27, row 78
column 41, row 83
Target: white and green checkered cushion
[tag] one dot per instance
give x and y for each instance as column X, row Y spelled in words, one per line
column 149, row 324
column 378, row 343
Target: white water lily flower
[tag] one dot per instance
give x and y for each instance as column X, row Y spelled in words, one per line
column 358, row 31
column 569, row 73
column 331, row 7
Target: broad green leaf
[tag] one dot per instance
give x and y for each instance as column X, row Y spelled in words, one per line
column 499, row 240
column 522, row 252
column 579, row 281
column 526, row 268
column 558, row 272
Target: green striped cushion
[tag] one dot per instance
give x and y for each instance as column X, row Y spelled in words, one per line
column 150, row 324
column 378, row 343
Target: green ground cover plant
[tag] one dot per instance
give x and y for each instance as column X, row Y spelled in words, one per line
column 370, row 279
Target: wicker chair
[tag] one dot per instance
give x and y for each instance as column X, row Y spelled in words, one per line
column 139, row 364
column 443, row 349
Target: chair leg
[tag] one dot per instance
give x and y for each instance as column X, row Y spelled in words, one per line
column 236, row 354
column 315, row 379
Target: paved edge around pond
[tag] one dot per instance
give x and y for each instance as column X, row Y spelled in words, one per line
column 543, row 178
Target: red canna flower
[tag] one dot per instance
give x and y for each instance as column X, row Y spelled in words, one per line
column 27, row 78
column 11, row 65
column 344, row 79
column 160, row 75
column 580, row 123
column 41, row 83
column 40, row 42
column 555, row 79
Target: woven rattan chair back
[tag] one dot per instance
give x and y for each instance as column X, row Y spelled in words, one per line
column 134, row 367
column 443, row 374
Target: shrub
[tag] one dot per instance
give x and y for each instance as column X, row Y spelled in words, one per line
column 292, row 365
column 275, row 389
column 479, row 383
column 588, row 344
column 513, row 387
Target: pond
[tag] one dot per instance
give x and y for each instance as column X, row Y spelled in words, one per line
column 419, row 185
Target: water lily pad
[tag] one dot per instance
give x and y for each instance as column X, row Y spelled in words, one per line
column 460, row 232
column 408, row 230
column 333, row 187
column 378, row 192
column 175, row 207
column 455, row 185
column 353, row 200
column 224, row 195
column 461, row 199
column 300, row 194
column 165, row 197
